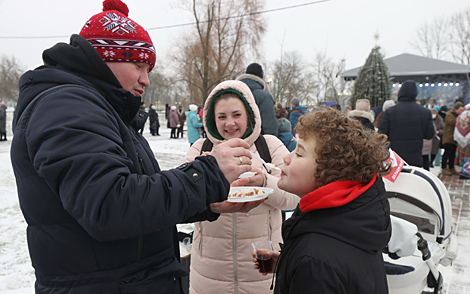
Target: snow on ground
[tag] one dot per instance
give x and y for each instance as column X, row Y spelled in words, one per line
column 16, row 272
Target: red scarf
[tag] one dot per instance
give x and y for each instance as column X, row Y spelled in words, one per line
column 333, row 195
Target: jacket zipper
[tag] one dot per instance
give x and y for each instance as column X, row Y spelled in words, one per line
column 270, row 226
column 235, row 252
column 140, row 241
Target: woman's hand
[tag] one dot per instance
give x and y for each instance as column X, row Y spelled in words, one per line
column 269, row 264
column 258, row 180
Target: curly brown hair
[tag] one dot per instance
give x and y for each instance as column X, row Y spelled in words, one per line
column 346, row 150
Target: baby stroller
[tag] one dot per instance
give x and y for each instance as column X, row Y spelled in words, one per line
column 420, row 198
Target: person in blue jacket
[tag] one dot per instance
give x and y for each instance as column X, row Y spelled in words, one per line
column 285, row 135
column 101, row 214
column 296, row 112
column 193, row 124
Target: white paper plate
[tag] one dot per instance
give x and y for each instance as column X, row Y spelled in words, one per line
column 267, row 191
column 247, row 175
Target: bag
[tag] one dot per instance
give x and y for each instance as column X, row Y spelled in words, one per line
column 153, row 127
column 465, row 170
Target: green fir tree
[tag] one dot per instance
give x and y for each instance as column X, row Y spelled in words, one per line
column 373, row 80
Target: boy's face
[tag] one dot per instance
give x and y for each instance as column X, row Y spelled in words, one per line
column 300, row 165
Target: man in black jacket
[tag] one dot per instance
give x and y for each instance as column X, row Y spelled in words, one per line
column 254, row 79
column 407, row 124
column 101, row 214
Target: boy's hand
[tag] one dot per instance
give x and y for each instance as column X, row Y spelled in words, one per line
column 270, row 263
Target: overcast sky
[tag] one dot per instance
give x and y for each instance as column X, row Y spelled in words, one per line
column 343, row 28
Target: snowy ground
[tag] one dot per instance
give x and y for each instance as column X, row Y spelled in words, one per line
column 16, row 272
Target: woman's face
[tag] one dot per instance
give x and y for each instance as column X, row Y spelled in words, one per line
column 231, row 118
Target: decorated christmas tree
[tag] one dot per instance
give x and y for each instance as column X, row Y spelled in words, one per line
column 373, row 80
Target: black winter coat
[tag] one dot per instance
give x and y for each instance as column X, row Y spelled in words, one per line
column 337, row 250
column 406, row 125
column 101, row 215
column 265, row 103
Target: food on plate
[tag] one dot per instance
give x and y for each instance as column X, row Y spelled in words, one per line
column 247, row 192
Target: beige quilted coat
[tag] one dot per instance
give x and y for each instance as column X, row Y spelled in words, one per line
column 221, row 260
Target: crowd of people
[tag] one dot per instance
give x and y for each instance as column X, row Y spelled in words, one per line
column 102, row 215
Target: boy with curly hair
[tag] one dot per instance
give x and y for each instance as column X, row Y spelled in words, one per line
column 333, row 241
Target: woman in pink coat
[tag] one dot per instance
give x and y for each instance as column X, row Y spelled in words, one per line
column 221, row 260
column 174, row 122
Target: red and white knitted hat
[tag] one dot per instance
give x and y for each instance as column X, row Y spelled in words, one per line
column 118, row 38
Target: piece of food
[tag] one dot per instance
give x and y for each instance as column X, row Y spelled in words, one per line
column 247, row 192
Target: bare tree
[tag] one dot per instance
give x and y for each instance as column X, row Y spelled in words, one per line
column 460, row 37
column 327, row 74
column 225, row 33
column 291, row 79
column 10, row 73
column 432, row 40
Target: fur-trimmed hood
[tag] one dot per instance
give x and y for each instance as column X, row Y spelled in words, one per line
column 361, row 113
column 252, row 77
column 243, row 89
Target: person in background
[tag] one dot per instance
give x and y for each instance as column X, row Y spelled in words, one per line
column 333, row 242
column 281, row 112
column 285, row 134
column 3, row 122
column 436, row 141
column 376, row 111
column 296, row 112
column 220, row 255
column 174, row 122
column 153, row 120
column 138, row 123
column 407, row 124
column 193, row 124
column 181, row 121
column 442, row 112
column 387, row 104
column 450, row 146
column 254, row 78
column 462, row 137
column 101, row 214
column 362, row 114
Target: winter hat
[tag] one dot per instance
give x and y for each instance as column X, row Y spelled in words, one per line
column 193, row 107
column 118, row 38
column 408, row 91
column 173, row 107
column 255, row 69
column 363, row 104
column 284, row 125
column 295, row 101
column 388, row 103
column 438, row 108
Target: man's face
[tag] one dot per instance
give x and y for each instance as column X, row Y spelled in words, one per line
column 459, row 110
column 133, row 76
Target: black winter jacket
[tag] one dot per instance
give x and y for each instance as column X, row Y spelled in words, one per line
column 337, row 250
column 406, row 125
column 101, row 215
column 265, row 103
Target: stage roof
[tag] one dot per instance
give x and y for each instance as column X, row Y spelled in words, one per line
column 420, row 69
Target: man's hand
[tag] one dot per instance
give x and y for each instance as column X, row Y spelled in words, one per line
column 233, row 158
column 273, row 257
column 229, row 207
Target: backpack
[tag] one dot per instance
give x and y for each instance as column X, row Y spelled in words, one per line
column 260, row 143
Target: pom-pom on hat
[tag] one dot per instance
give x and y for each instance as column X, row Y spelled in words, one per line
column 118, row 38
